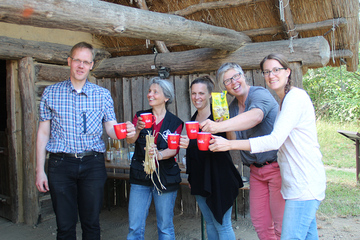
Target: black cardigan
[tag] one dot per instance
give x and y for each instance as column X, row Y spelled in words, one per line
column 169, row 169
column 214, row 176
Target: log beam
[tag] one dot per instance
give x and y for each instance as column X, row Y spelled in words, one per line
column 14, row 48
column 212, row 5
column 346, row 53
column 28, row 103
column 11, row 48
column 327, row 24
column 119, row 21
column 311, row 52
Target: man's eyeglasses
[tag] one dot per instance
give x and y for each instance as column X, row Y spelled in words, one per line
column 274, row 71
column 233, row 78
column 78, row 62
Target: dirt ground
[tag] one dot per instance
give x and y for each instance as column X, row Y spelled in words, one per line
column 114, row 224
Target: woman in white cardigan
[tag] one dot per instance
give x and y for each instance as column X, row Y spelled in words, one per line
column 299, row 157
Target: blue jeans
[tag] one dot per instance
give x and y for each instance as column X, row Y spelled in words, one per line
column 139, row 203
column 299, row 220
column 214, row 229
column 77, row 187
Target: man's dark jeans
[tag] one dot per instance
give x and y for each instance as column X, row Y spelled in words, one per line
column 77, row 186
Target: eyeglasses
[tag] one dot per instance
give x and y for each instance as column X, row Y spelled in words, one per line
column 233, row 78
column 275, row 71
column 78, row 62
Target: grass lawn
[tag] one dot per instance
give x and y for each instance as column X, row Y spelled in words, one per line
column 342, row 193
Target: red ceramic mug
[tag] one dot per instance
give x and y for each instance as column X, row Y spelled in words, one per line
column 192, row 129
column 148, row 118
column 173, row 140
column 203, row 139
column 120, row 130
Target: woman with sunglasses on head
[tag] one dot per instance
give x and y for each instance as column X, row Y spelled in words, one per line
column 302, row 171
column 213, row 178
column 253, row 112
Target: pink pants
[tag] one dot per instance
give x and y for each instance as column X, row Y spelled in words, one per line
column 266, row 202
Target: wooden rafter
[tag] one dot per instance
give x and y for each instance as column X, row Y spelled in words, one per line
column 160, row 45
column 327, row 24
column 288, row 22
column 212, row 5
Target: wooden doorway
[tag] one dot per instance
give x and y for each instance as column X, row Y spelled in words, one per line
column 5, row 194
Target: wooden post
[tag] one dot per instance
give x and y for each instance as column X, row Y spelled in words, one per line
column 26, row 86
column 354, row 136
column 14, row 137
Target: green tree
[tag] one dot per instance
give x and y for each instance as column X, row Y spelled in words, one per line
column 335, row 93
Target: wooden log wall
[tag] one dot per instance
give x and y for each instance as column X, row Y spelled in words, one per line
column 14, row 140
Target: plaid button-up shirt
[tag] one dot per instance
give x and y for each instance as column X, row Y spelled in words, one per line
column 76, row 118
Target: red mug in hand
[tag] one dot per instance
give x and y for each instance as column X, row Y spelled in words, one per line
column 203, row 139
column 192, row 129
column 120, row 130
column 148, row 118
column 173, row 140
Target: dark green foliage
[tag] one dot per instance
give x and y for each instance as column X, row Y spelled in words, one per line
column 335, row 93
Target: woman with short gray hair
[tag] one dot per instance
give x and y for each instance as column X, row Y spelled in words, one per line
column 167, row 88
column 145, row 187
column 253, row 112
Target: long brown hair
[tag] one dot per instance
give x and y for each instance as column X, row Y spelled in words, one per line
column 283, row 62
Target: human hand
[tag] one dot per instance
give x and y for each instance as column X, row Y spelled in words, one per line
column 152, row 150
column 184, row 141
column 140, row 125
column 130, row 129
column 42, row 182
column 209, row 126
column 219, row 144
column 220, row 119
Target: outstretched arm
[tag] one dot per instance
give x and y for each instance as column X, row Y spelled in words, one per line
column 243, row 121
column 220, row 144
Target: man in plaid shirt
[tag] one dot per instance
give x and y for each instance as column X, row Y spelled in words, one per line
column 72, row 114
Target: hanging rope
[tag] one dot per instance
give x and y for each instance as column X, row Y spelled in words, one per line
column 341, row 79
column 281, row 7
column 291, row 46
column 341, row 82
column 147, row 43
column 333, row 42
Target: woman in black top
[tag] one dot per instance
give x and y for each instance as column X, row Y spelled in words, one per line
column 213, row 178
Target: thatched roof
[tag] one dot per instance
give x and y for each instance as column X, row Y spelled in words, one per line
column 336, row 20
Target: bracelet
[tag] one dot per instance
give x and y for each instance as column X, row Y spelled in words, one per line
column 161, row 155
